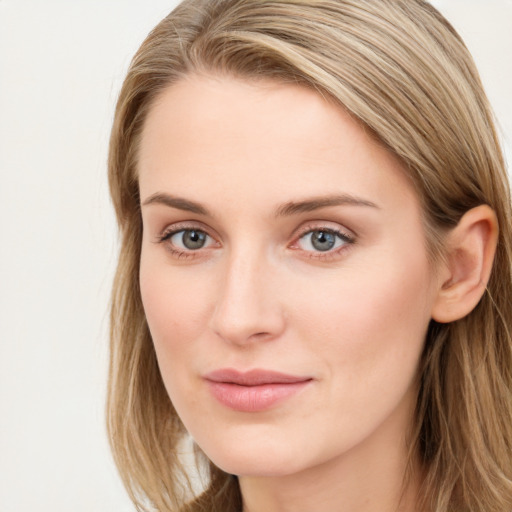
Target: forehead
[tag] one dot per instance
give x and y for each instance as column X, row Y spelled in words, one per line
column 260, row 139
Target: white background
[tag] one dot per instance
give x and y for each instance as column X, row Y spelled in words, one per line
column 61, row 66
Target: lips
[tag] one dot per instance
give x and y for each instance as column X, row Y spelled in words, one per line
column 255, row 390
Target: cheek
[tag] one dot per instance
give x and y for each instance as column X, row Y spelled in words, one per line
column 388, row 303
column 176, row 303
column 370, row 321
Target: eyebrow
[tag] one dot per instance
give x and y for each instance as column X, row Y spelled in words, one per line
column 287, row 209
column 176, row 202
column 315, row 203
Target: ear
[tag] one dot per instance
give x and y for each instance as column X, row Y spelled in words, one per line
column 470, row 249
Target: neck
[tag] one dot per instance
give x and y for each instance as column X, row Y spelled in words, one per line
column 383, row 487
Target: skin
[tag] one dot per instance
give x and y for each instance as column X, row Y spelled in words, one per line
column 258, row 294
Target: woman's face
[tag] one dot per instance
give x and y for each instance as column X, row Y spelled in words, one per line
column 284, row 275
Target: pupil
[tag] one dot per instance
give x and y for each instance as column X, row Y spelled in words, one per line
column 193, row 239
column 323, row 240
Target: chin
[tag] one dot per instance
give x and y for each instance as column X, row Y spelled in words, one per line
column 262, row 460
column 244, row 466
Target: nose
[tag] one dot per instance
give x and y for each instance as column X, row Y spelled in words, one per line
column 248, row 307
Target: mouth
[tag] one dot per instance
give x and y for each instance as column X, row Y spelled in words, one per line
column 255, row 390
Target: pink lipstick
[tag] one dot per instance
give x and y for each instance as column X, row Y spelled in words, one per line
column 255, row 390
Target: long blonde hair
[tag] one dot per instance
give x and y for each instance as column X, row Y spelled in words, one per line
column 400, row 69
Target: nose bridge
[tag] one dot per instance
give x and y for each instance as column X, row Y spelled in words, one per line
column 247, row 307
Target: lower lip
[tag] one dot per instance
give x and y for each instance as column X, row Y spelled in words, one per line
column 254, row 398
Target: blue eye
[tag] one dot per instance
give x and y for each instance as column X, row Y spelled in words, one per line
column 322, row 240
column 189, row 239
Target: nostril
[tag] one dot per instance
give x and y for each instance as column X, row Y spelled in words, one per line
column 260, row 335
column 247, row 309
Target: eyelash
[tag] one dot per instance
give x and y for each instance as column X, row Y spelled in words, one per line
column 347, row 240
column 175, row 229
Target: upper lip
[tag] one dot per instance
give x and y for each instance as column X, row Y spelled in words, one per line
column 256, row 377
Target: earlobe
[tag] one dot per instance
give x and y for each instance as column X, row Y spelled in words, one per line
column 470, row 249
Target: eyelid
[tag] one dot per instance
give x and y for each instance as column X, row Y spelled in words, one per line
column 180, row 253
column 172, row 229
column 347, row 235
column 328, row 226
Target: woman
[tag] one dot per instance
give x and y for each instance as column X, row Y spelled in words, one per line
column 315, row 275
